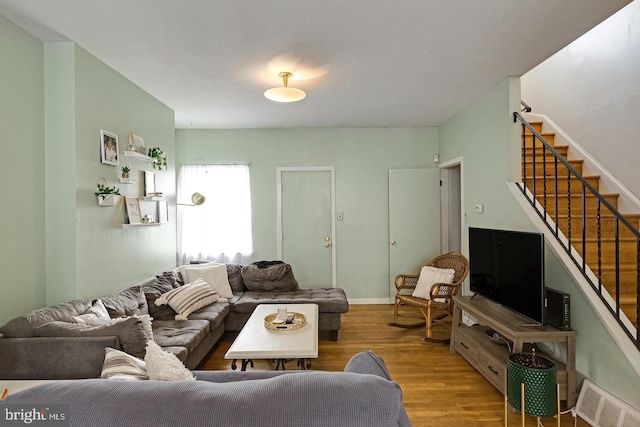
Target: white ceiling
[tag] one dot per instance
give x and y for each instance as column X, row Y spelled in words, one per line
column 387, row 63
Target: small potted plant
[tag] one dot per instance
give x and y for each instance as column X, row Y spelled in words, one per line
column 125, row 171
column 107, row 196
column 159, row 158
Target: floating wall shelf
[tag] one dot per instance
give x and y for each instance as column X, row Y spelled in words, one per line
column 128, row 181
column 155, row 224
column 138, row 156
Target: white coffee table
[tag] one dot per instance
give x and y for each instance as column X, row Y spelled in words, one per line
column 255, row 341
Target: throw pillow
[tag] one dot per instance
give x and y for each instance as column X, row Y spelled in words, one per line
column 129, row 331
column 97, row 311
column 122, row 366
column 144, row 318
column 126, row 302
column 271, row 277
column 154, row 291
column 214, row 274
column 189, row 298
column 430, row 276
column 164, row 366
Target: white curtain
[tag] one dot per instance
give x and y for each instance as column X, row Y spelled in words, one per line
column 220, row 228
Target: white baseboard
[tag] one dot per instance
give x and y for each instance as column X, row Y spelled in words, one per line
column 369, row 301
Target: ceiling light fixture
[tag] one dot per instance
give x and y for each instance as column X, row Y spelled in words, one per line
column 284, row 93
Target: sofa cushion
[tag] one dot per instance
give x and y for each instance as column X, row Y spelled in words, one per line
column 129, row 331
column 180, row 333
column 154, row 291
column 272, row 277
column 329, row 300
column 25, row 325
column 126, row 302
column 234, row 273
column 214, row 314
column 119, row 365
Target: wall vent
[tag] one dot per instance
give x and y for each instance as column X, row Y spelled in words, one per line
column 601, row 409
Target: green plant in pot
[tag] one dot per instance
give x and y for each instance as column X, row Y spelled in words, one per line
column 125, row 171
column 104, row 190
column 159, row 158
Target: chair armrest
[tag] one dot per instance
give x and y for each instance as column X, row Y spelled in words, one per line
column 443, row 290
column 406, row 281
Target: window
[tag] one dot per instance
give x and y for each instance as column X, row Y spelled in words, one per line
column 220, row 228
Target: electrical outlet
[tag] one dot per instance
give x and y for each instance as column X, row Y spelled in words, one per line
column 479, row 208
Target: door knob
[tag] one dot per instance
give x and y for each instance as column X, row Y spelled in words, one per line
column 393, row 243
column 327, row 245
column 327, row 239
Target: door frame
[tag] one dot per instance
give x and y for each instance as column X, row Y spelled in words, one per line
column 332, row 189
column 444, row 204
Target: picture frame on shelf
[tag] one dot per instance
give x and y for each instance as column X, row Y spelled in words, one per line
column 163, row 212
column 109, row 153
column 136, row 144
column 133, row 210
column 149, row 184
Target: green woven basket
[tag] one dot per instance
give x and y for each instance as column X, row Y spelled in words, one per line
column 539, row 376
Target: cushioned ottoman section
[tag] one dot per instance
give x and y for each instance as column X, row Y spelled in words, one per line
column 214, row 314
column 180, row 333
column 329, row 300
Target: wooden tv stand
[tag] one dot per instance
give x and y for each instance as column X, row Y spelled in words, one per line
column 490, row 357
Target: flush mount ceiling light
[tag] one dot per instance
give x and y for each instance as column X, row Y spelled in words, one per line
column 284, row 93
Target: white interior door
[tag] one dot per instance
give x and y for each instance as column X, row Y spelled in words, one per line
column 307, row 229
column 414, row 220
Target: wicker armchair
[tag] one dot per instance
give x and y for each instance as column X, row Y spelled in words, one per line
column 440, row 304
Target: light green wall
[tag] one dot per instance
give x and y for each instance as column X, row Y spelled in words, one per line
column 22, row 228
column 56, row 97
column 89, row 254
column 485, row 137
column 361, row 157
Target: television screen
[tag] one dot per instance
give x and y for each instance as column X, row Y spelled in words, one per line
column 508, row 268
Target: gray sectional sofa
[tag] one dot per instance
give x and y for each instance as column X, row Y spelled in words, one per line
column 363, row 395
column 46, row 344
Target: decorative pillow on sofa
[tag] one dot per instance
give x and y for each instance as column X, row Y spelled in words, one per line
column 214, row 274
column 126, row 302
column 144, row 318
column 234, row 273
column 97, row 311
column 164, row 366
column 154, row 291
column 129, row 331
column 122, row 366
column 189, row 298
column 272, row 277
column 429, row 276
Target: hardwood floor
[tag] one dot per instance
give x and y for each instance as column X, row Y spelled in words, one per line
column 440, row 389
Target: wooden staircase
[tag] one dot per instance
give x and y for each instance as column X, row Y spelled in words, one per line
column 562, row 199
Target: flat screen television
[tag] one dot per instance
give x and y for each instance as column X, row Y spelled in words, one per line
column 507, row 267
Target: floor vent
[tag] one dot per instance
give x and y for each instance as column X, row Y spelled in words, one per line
column 601, row 409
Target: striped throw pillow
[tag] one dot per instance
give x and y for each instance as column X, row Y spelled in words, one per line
column 189, row 298
column 119, row 365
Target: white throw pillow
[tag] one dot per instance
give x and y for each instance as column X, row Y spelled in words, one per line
column 119, row 365
column 189, row 298
column 430, row 276
column 214, row 274
column 164, row 366
column 97, row 311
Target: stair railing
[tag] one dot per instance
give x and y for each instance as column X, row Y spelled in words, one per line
column 541, row 146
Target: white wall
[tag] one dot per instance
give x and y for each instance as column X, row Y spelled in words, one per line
column 591, row 89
